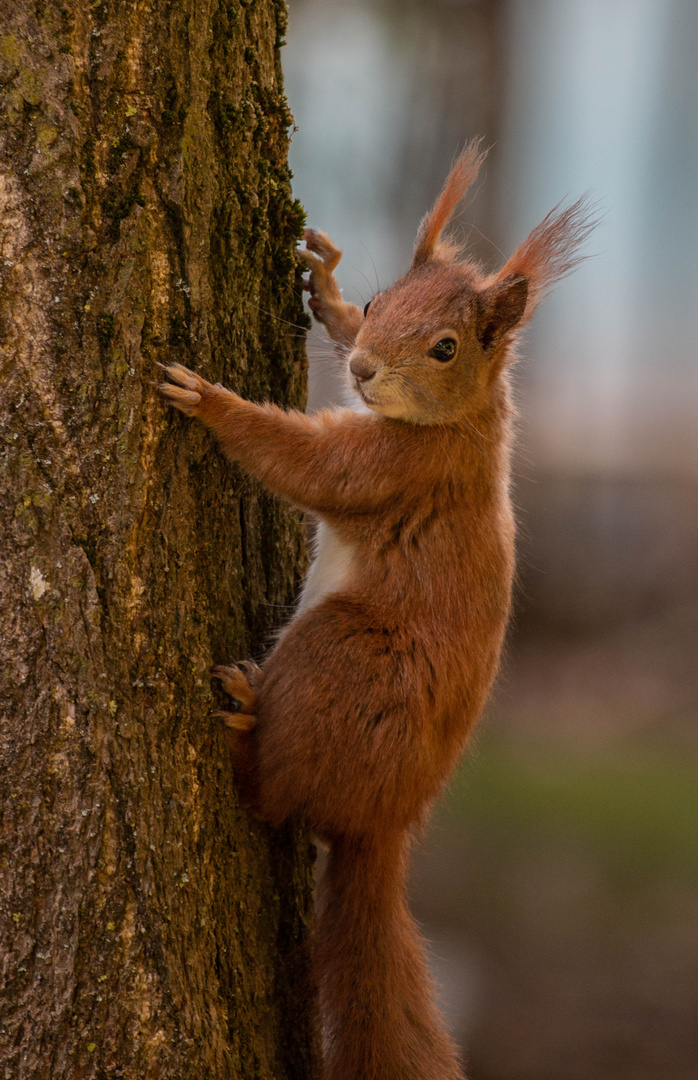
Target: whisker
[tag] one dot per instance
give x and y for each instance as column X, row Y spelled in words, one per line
column 278, row 318
column 326, row 369
column 486, row 238
column 287, row 285
column 375, row 272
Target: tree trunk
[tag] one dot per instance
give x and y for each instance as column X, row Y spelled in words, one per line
column 149, row 927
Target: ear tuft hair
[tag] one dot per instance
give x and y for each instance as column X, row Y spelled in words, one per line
column 551, row 251
column 461, row 177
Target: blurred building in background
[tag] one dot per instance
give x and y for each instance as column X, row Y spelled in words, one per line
column 560, row 884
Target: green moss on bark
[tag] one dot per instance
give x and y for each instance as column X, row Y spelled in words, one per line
column 148, row 217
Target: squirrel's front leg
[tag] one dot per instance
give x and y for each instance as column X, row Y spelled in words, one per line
column 309, row 460
column 341, row 319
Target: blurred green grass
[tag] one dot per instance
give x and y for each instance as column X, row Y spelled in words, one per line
column 633, row 811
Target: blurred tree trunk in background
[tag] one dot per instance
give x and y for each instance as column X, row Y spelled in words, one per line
column 148, row 927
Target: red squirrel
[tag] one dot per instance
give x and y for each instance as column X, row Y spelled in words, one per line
column 364, row 705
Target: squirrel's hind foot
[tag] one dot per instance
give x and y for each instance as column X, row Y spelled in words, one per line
column 239, row 683
column 237, row 721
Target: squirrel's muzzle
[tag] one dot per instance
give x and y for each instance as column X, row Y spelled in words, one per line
column 361, row 369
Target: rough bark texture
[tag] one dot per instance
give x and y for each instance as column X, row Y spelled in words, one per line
column 148, row 927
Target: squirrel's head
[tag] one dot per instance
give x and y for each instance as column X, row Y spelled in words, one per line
column 432, row 348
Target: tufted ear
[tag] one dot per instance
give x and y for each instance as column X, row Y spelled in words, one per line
column 551, row 251
column 501, row 308
column 463, row 174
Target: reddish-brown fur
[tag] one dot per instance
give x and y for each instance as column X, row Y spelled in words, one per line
column 366, row 702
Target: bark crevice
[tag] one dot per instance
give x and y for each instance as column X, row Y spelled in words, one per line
column 148, row 927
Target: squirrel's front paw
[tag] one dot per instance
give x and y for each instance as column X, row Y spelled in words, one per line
column 184, row 389
column 320, row 243
column 342, row 320
column 321, row 283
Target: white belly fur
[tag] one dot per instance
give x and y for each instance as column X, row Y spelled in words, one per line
column 331, row 569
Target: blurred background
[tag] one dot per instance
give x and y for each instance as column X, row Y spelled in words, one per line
column 559, row 881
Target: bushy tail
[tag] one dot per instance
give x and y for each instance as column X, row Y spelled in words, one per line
column 375, row 990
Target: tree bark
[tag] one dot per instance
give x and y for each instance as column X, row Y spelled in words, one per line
column 148, row 927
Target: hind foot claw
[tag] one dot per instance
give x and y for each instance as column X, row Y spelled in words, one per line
column 238, row 721
column 239, row 683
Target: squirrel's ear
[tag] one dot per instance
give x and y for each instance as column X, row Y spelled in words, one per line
column 551, row 251
column 461, row 177
column 501, row 308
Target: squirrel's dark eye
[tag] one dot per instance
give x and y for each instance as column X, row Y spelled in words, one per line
column 366, row 307
column 444, row 350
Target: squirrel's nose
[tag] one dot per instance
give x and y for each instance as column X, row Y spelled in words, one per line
column 361, row 369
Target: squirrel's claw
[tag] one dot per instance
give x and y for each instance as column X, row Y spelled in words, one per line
column 238, row 684
column 252, row 671
column 321, row 257
column 237, row 721
column 184, row 388
column 320, row 243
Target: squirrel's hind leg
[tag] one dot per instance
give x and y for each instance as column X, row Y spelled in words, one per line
column 240, row 683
